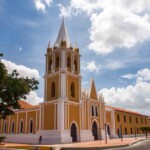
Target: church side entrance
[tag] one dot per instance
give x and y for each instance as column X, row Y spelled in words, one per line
column 74, row 132
column 95, row 130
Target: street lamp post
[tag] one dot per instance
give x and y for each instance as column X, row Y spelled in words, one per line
column 100, row 134
column 135, row 132
column 105, row 134
column 121, row 132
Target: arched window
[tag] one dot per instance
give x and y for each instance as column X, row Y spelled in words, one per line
column 68, row 62
column 5, row 127
column 72, row 89
column 96, row 111
column 49, row 64
column 21, row 127
column 12, row 127
column 92, row 110
column 31, row 126
column 53, row 89
column 75, row 65
column 57, row 62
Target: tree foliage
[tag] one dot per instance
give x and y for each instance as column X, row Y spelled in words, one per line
column 145, row 129
column 12, row 89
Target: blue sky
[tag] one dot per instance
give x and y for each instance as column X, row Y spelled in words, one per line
column 113, row 38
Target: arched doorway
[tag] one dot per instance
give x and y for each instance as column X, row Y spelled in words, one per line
column 74, row 132
column 95, row 130
column 108, row 130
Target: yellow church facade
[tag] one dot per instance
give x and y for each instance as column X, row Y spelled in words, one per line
column 68, row 114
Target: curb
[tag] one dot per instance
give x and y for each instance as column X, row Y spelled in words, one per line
column 102, row 148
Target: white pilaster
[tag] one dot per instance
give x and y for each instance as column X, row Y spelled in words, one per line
column 63, row 60
column 60, row 113
column 72, row 63
column 17, row 124
column 63, row 86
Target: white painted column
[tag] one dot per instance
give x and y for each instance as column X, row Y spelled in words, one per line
column 40, row 119
column 113, row 121
column 72, row 63
column 17, row 125
column 26, row 124
column 63, row 60
column 101, row 115
column 60, row 113
column 36, row 122
column 9, row 125
column 63, row 86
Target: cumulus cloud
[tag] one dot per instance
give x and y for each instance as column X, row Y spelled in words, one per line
column 42, row 4
column 114, row 24
column 114, row 65
column 135, row 97
column 141, row 75
column 33, row 98
column 128, row 76
column 22, row 70
column 91, row 66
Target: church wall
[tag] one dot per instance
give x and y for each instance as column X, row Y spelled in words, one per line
column 108, row 117
column 76, row 82
column 21, row 116
column 54, row 79
column 74, row 114
column 128, row 125
column 13, row 118
column 31, row 115
column 49, row 117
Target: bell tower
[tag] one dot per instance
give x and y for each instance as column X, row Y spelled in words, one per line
column 62, row 95
column 62, row 77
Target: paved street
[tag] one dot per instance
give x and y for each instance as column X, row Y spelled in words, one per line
column 143, row 145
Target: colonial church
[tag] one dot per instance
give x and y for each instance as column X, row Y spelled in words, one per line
column 67, row 113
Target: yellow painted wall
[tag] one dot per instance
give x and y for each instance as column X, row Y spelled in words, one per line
column 54, row 79
column 49, row 111
column 31, row 115
column 74, row 114
column 21, row 116
column 129, row 125
column 68, row 91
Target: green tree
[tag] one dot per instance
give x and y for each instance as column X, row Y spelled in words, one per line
column 146, row 130
column 12, row 89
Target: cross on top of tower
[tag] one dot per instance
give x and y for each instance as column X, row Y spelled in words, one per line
column 62, row 35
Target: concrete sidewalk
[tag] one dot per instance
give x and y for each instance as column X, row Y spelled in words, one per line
column 79, row 145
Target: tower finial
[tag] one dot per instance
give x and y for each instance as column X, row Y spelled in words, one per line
column 49, row 44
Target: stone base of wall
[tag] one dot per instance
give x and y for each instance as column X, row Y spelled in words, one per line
column 55, row 137
column 86, row 135
column 22, row 138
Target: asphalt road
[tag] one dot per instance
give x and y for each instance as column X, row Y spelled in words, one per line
column 143, row 145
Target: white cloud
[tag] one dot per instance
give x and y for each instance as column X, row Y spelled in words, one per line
column 114, row 24
column 144, row 74
column 114, row 65
column 42, row 4
column 133, row 97
column 33, row 98
column 22, row 70
column 91, row 66
column 128, row 76
column 141, row 75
